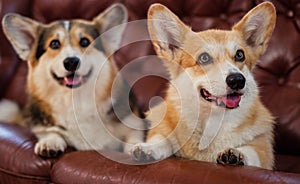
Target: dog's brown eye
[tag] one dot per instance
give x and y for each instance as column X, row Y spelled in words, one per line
column 84, row 42
column 239, row 56
column 54, row 44
column 204, row 59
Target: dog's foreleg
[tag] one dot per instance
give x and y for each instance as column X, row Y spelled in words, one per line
column 249, row 155
column 50, row 141
column 258, row 152
column 132, row 138
column 156, row 148
column 135, row 132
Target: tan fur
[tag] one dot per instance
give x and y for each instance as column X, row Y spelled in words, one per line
column 247, row 129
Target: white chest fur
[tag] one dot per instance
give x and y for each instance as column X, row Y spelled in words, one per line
column 85, row 122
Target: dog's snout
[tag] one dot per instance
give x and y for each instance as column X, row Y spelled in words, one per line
column 71, row 63
column 236, row 81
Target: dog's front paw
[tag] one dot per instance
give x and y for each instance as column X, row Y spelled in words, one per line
column 50, row 146
column 230, row 157
column 144, row 152
column 140, row 154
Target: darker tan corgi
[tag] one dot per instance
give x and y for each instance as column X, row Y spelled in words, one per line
column 212, row 111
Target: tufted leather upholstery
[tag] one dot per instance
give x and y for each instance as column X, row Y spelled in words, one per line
column 277, row 74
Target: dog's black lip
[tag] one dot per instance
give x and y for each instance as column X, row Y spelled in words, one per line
column 60, row 80
column 203, row 91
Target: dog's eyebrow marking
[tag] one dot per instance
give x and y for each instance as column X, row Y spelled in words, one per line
column 90, row 30
column 96, row 36
column 43, row 36
column 40, row 46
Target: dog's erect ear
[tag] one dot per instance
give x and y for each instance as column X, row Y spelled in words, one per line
column 21, row 32
column 166, row 30
column 257, row 26
column 111, row 24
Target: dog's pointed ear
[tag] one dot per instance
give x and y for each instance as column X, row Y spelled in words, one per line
column 22, row 32
column 111, row 25
column 167, row 33
column 166, row 30
column 257, row 25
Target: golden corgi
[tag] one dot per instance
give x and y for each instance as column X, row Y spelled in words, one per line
column 212, row 111
column 69, row 83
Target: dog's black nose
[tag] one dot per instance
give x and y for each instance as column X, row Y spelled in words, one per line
column 236, row 81
column 71, row 63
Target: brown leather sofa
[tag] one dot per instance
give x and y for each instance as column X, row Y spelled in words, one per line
column 278, row 75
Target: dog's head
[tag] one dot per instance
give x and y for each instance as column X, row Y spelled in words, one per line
column 219, row 62
column 65, row 53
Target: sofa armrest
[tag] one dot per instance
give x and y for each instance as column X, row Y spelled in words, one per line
column 18, row 160
column 93, row 167
column 17, row 156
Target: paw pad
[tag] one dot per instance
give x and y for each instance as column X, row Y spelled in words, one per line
column 230, row 157
column 50, row 153
column 141, row 155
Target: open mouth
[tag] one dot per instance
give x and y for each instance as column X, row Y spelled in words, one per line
column 230, row 101
column 72, row 79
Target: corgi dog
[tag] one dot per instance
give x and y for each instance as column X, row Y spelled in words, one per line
column 212, row 110
column 72, row 83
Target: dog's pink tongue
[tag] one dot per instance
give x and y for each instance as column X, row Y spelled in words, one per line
column 72, row 80
column 230, row 101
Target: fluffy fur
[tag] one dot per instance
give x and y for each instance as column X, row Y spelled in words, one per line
column 207, row 117
column 69, row 83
